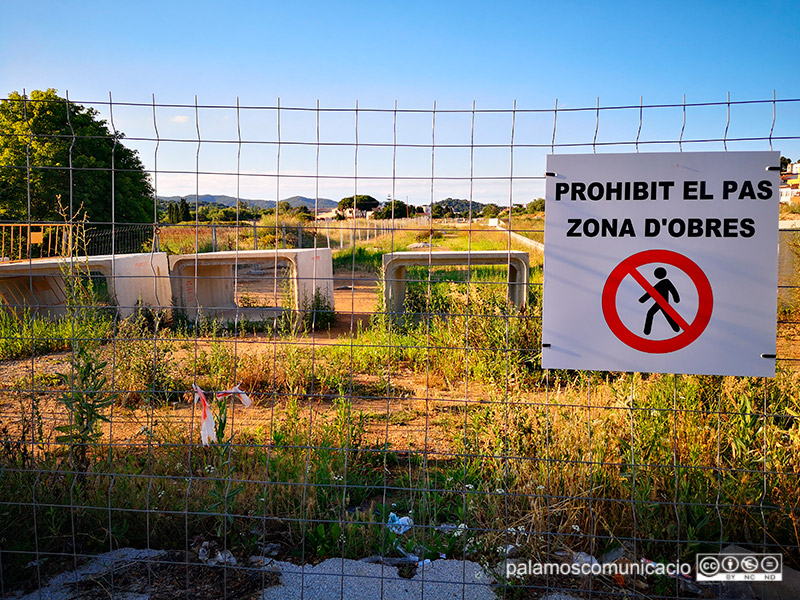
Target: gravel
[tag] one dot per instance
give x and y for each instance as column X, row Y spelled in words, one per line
column 345, row 579
column 333, row 579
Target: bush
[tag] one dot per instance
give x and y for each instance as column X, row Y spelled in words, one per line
column 147, row 369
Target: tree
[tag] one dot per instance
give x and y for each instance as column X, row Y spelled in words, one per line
column 184, row 214
column 490, row 210
column 535, row 206
column 397, row 209
column 362, row 202
column 55, row 148
column 303, row 214
column 441, row 211
column 785, row 162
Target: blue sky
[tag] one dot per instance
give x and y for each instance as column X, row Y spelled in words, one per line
column 413, row 53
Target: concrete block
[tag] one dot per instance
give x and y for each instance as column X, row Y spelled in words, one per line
column 395, row 265
column 40, row 285
column 207, row 282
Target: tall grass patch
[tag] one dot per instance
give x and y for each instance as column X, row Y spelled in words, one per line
column 28, row 335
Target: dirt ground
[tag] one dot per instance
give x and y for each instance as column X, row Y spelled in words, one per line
column 415, row 415
column 408, row 418
column 355, row 296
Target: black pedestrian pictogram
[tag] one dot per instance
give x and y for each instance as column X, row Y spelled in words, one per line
column 666, row 289
column 690, row 329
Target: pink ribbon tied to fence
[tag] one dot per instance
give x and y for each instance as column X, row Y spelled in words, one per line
column 208, row 430
column 236, row 391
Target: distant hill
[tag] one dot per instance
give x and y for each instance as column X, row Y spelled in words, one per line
column 323, row 204
column 459, row 206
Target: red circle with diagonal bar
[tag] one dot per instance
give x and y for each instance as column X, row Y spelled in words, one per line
column 689, row 331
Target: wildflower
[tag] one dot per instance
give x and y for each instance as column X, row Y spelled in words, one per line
column 469, row 486
column 500, row 491
column 207, row 428
column 236, row 391
column 337, row 478
column 576, row 528
column 541, row 487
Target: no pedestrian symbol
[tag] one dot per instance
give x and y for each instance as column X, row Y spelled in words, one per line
column 656, row 298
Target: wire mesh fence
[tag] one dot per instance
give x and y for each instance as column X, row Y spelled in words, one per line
column 236, row 404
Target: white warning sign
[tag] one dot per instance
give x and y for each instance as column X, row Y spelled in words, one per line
column 662, row 262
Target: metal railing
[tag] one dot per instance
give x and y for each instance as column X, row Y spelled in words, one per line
column 21, row 241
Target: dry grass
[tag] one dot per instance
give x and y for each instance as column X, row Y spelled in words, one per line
column 406, row 417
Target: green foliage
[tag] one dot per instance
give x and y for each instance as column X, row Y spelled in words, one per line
column 227, row 214
column 511, row 455
column 303, row 214
column 183, row 212
column 362, row 202
column 86, row 397
column 26, row 335
column 441, row 212
column 86, row 400
column 223, row 491
column 473, row 330
column 359, row 258
column 490, row 210
column 535, row 206
column 659, row 449
column 178, row 212
column 23, row 333
column 319, row 313
column 396, row 209
column 52, row 135
column 147, row 368
column 456, row 207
